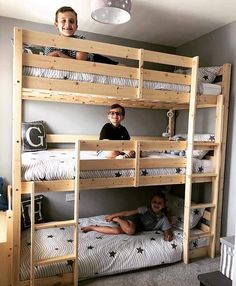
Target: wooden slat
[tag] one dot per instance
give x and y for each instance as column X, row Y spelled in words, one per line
column 204, row 227
column 207, row 215
column 161, row 180
column 105, row 183
column 202, row 205
column 77, row 87
column 162, row 145
column 166, row 96
column 163, row 163
column 57, row 63
column 54, row 260
column 200, row 235
column 49, row 40
column 167, row 59
column 54, row 224
column 166, row 77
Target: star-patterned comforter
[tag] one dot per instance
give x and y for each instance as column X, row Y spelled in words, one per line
column 100, row 254
column 60, row 165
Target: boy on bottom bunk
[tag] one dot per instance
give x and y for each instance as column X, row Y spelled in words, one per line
column 140, row 219
column 113, row 130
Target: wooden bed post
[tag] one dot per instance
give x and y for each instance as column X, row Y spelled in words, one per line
column 16, row 152
column 140, row 73
column 188, row 179
column 226, row 73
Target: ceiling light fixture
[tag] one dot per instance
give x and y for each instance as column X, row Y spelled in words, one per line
column 111, row 11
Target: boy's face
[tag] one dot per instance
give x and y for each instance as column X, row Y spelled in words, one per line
column 66, row 23
column 157, row 204
column 115, row 116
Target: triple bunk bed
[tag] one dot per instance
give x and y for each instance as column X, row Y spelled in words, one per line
column 43, row 78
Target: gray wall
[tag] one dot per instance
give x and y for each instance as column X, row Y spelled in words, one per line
column 70, row 119
column 217, row 48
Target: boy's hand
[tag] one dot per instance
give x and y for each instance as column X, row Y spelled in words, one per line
column 168, row 235
column 109, row 218
column 58, row 54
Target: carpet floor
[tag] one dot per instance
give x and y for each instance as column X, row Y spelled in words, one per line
column 178, row 274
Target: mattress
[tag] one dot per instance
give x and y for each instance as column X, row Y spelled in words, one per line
column 99, row 254
column 203, row 88
column 60, row 165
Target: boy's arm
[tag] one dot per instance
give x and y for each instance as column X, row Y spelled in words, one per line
column 119, row 214
column 82, row 56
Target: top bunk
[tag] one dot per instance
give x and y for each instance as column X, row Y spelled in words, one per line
column 135, row 84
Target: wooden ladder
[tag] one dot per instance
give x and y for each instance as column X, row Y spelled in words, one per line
column 216, row 177
column 55, row 224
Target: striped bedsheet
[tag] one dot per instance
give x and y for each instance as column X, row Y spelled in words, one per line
column 203, row 88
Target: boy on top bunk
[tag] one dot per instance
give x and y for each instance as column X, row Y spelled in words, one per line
column 113, row 130
column 141, row 219
column 66, row 22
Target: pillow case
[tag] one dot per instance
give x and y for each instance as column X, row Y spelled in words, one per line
column 175, row 207
column 3, row 200
column 34, row 136
column 26, row 211
column 198, row 154
column 205, row 74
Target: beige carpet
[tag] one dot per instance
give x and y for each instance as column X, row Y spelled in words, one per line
column 178, row 274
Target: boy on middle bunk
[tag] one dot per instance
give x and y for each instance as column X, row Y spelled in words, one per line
column 113, row 130
column 141, row 219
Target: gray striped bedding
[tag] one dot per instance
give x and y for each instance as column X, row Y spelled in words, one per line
column 100, row 254
column 60, row 165
column 111, row 80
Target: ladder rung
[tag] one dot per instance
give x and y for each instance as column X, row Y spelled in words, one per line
column 204, row 175
column 200, row 235
column 54, row 224
column 202, row 206
column 54, row 259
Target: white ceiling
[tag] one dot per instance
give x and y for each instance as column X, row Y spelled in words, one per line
column 167, row 22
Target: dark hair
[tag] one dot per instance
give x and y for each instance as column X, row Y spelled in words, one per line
column 116, row 105
column 64, row 9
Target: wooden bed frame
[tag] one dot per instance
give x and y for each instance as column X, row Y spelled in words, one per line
column 42, row 89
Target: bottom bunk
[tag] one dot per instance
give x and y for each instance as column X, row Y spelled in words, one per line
column 100, row 254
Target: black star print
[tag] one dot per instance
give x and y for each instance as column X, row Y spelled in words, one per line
column 196, row 212
column 178, row 170
column 152, row 238
column 157, row 232
column 118, row 174
column 28, row 243
column 174, row 246
column 62, row 228
column 162, row 262
column 179, row 218
column 144, row 173
column 195, row 244
column 99, row 237
column 50, row 236
column 200, row 169
column 52, row 156
column 90, row 247
column 62, row 162
column 205, row 77
column 212, row 138
column 56, row 248
column 140, row 250
column 112, row 253
column 70, row 240
column 70, row 262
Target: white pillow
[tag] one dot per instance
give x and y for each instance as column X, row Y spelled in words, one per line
column 175, row 207
column 199, row 154
column 205, row 74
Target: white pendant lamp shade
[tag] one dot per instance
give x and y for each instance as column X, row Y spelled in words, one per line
column 111, row 11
